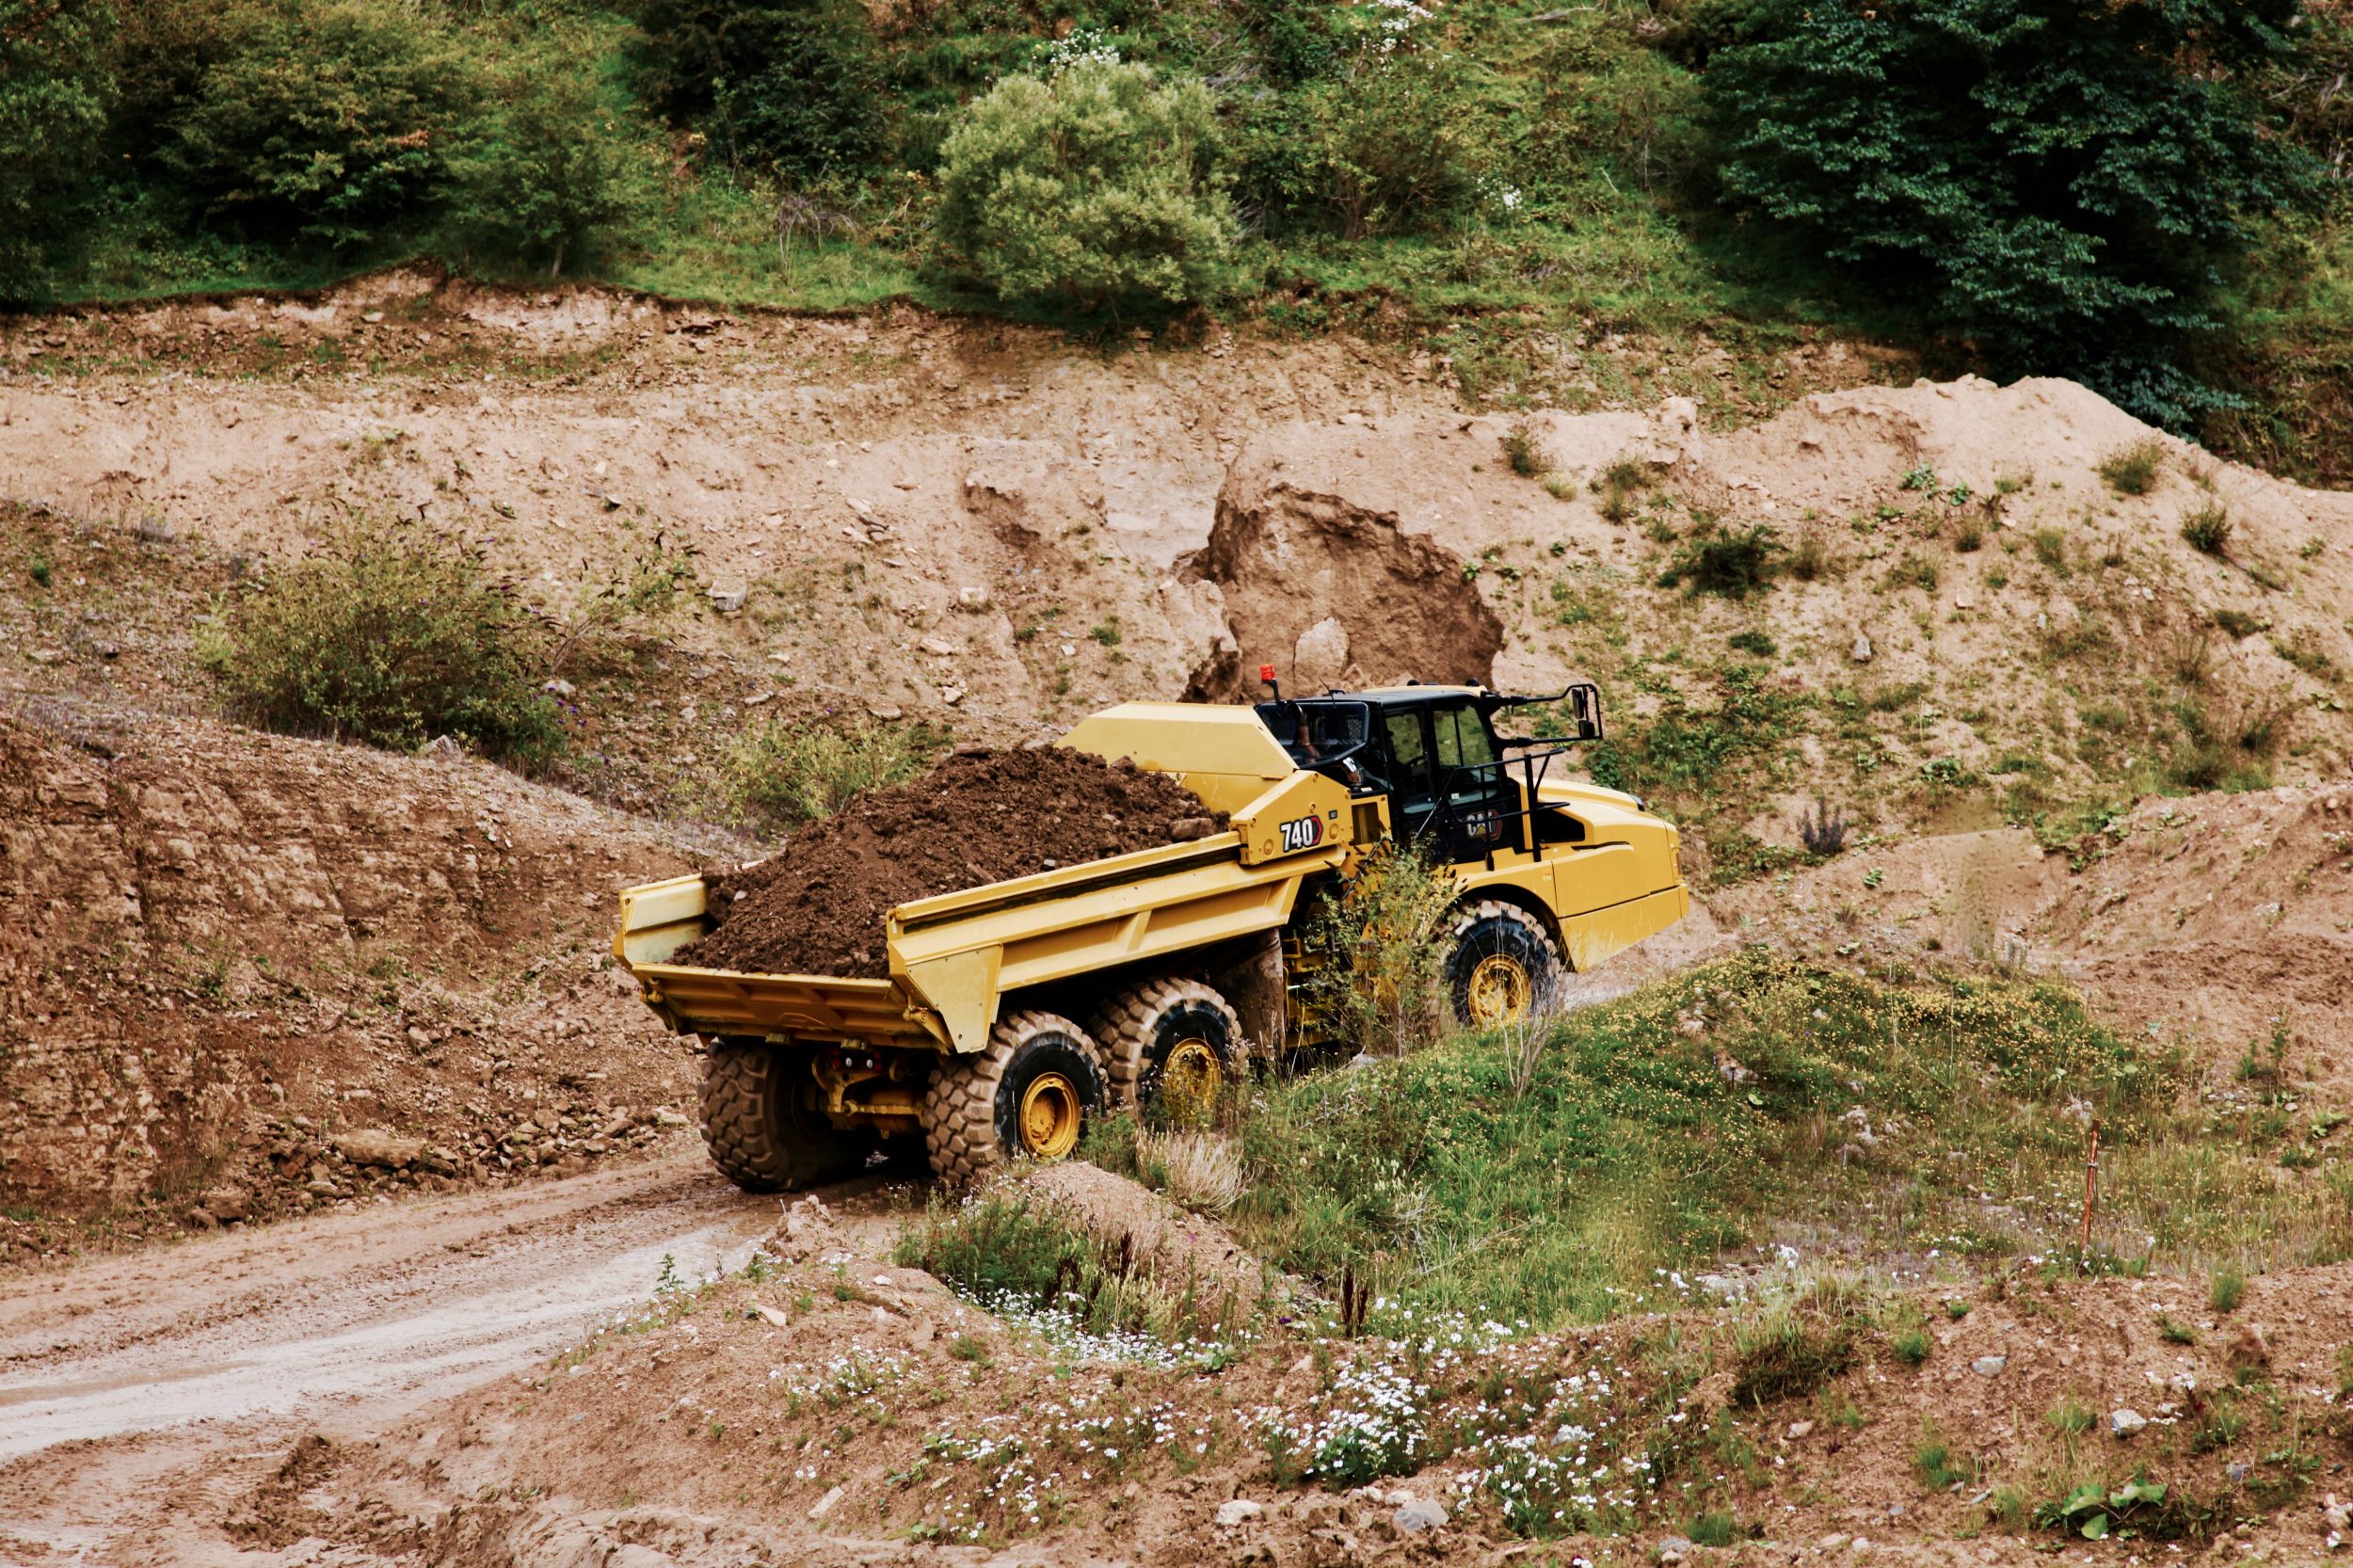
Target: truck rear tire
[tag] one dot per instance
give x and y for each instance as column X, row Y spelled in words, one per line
column 761, row 1124
column 1501, row 965
column 1027, row 1095
column 1172, row 1041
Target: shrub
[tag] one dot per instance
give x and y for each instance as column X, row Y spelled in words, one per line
column 548, row 174
column 1095, row 186
column 1734, row 563
column 1397, row 145
column 2132, row 470
column 1911, row 1346
column 787, row 772
column 392, row 635
column 2228, row 1287
column 813, row 108
column 1759, row 643
column 330, row 121
column 2208, row 529
column 53, row 95
column 1975, row 156
column 1382, row 986
column 1618, row 485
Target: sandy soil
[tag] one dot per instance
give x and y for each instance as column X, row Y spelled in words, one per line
column 142, row 1396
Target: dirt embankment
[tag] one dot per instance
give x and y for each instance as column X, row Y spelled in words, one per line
column 817, row 906
column 842, row 1410
column 242, row 975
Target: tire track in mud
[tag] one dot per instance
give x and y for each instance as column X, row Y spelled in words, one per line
column 387, row 1306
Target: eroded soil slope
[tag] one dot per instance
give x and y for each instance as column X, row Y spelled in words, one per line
column 244, row 975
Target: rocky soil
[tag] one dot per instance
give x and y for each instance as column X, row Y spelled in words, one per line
column 248, row 979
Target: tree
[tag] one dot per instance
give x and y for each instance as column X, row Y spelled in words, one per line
column 1091, row 186
column 2061, row 180
column 552, row 166
column 330, row 121
column 52, row 110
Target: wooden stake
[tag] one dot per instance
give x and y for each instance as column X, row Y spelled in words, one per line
column 2091, row 1192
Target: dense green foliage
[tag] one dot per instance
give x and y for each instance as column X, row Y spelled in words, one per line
column 2061, row 180
column 1095, row 184
column 392, row 635
column 54, row 97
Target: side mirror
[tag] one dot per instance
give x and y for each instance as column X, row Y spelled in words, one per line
column 1585, row 706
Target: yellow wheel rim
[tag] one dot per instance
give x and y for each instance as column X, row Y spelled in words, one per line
column 1191, row 1078
column 1498, row 991
column 1049, row 1116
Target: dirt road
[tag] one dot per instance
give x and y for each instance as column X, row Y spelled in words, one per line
column 142, row 1396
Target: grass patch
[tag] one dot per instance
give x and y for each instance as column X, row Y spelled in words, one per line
column 1557, row 1188
column 1731, row 563
column 2133, row 469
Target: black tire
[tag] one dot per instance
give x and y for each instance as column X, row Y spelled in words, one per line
column 1500, row 966
column 761, row 1120
column 1143, row 1026
column 974, row 1107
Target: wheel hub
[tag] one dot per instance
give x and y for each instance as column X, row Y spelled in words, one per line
column 1191, row 1079
column 1049, row 1116
column 1500, row 991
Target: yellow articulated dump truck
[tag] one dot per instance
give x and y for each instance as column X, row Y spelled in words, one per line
column 1014, row 1010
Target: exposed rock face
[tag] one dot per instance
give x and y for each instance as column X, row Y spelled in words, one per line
column 186, row 930
column 1332, row 591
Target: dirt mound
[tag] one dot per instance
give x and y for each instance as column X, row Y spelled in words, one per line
column 1331, row 592
column 980, row 816
column 1163, row 1240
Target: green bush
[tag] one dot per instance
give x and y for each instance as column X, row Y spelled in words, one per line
column 53, row 96
column 549, row 172
column 2132, row 470
column 815, row 109
column 1399, row 144
column 333, row 121
column 1096, row 184
column 392, row 635
column 2062, row 181
column 787, row 772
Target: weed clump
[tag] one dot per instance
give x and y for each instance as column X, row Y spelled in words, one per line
column 1824, row 832
column 1732, row 563
column 785, row 773
column 1522, row 451
column 1618, row 485
column 390, row 634
column 2132, row 470
column 2208, row 529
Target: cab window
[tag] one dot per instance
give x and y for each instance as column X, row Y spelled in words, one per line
column 1406, row 749
column 1462, row 740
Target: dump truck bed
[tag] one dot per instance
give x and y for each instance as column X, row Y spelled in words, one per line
column 952, row 956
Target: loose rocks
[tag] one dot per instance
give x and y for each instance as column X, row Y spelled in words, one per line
column 981, row 817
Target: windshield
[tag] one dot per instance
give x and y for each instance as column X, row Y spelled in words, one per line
column 1316, row 732
column 1463, row 736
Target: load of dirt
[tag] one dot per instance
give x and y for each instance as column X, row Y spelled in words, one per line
column 981, row 817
